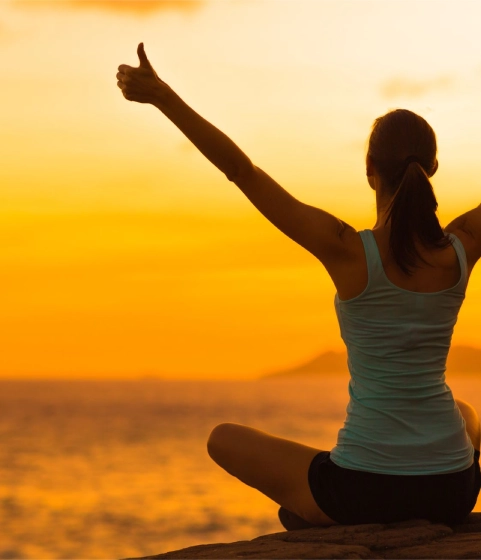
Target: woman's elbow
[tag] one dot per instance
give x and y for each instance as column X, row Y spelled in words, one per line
column 242, row 172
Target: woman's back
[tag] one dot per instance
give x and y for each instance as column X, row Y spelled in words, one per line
column 402, row 418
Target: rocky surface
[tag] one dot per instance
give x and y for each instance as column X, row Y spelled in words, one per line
column 417, row 539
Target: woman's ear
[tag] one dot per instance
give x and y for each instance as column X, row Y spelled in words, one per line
column 370, row 172
column 369, row 166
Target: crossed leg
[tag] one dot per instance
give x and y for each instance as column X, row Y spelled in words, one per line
column 275, row 466
column 278, row 467
column 472, row 422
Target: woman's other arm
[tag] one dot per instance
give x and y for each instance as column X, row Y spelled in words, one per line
column 468, row 228
column 316, row 230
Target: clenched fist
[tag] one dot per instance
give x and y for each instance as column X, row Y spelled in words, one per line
column 141, row 84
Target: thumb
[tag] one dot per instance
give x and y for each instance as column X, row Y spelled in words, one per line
column 144, row 61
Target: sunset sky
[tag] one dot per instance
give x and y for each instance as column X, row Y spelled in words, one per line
column 126, row 254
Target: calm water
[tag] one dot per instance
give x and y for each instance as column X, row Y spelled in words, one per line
column 120, row 469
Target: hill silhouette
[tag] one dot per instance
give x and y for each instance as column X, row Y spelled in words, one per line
column 461, row 359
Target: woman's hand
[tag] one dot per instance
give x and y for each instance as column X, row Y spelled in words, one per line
column 141, row 84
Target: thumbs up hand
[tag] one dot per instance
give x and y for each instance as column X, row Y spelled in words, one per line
column 141, row 84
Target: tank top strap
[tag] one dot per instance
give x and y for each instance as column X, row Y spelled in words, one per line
column 374, row 263
column 463, row 260
column 376, row 269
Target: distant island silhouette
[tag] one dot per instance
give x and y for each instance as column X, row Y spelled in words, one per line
column 461, row 359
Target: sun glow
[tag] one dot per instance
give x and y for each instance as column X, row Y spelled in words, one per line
column 125, row 253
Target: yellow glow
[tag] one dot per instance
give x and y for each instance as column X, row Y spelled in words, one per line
column 125, row 253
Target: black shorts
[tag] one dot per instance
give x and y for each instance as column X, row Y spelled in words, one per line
column 351, row 497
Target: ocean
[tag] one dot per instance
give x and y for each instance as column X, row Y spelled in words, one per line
column 116, row 469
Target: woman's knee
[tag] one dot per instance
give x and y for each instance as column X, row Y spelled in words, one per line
column 219, row 439
column 472, row 421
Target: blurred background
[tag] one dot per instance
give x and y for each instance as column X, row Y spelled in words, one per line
column 133, row 272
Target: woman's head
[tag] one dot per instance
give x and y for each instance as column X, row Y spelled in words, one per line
column 397, row 136
column 402, row 150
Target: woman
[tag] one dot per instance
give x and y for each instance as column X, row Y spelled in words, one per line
column 408, row 449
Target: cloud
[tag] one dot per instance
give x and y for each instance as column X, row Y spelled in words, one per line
column 135, row 7
column 404, row 87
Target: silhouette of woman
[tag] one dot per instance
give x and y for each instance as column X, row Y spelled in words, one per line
column 408, row 448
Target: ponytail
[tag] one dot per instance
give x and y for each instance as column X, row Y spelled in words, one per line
column 412, row 210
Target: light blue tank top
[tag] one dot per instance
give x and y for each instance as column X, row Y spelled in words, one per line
column 401, row 417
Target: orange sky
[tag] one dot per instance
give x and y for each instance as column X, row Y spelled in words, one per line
column 125, row 253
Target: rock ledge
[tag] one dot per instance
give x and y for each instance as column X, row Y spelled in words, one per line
column 417, row 539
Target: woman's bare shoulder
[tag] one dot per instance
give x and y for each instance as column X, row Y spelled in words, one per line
column 467, row 227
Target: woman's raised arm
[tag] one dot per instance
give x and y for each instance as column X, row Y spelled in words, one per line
column 143, row 85
column 316, row 230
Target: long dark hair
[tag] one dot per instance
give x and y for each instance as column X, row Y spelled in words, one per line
column 402, row 148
